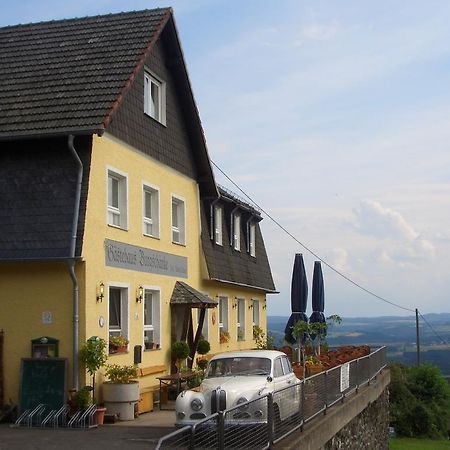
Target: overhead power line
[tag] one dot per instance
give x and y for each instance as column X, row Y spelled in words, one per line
column 432, row 329
column 359, row 286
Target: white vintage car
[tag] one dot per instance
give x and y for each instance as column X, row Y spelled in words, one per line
column 235, row 378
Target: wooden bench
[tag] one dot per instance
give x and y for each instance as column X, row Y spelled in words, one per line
column 151, row 370
column 146, row 395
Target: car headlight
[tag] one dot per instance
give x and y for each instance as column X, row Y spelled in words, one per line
column 197, row 404
column 242, row 400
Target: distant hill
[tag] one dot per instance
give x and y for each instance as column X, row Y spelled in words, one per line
column 397, row 333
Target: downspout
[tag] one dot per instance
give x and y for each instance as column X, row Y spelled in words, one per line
column 71, row 262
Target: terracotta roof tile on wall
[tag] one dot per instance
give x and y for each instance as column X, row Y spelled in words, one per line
column 66, row 76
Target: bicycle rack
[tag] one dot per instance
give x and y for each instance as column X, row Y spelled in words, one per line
column 56, row 417
column 83, row 419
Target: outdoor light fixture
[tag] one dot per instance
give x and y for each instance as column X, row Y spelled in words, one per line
column 234, row 305
column 250, row 306
column 140, row 294
column 101, row 294
column 265, row 305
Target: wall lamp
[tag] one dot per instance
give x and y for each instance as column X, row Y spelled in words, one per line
column 265, row 305
column 101, row 294
column 234, row 305
column 250, row 306
column 140, row 294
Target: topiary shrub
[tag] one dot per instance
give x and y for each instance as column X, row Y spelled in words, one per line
column 180, row 350
column 203, row 347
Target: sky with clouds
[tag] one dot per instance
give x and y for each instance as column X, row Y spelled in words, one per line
column 334, row 117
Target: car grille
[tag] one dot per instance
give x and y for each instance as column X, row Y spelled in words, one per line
column 218, row 400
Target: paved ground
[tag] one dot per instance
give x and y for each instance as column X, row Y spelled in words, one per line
column 142, row 433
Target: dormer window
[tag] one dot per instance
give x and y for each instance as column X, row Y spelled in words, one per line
column 237, row 232
column 218, row 235
column 155, row 98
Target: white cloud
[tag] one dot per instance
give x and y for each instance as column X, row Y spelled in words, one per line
column 374, row 219
column 399, row 241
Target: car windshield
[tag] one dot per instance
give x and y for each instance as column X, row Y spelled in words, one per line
column 224, row 367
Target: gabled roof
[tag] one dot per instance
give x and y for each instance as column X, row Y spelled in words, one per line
column 183, row 294
column 69, row 75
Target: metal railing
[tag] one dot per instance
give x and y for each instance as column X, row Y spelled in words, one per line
column 301, row 403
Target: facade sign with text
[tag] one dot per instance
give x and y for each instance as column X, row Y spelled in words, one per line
column 132, row 257
column 345, row 376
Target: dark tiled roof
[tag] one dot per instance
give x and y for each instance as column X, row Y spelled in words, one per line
column 37, row 190
column 69, row 75
column 236, row 267
column 183, row 294
column 226, row 194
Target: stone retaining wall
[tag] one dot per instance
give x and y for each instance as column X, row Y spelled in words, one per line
column 366, row 431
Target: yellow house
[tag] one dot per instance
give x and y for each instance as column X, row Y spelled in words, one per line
column 111, row 222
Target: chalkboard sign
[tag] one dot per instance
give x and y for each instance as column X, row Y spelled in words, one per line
column 43, row 381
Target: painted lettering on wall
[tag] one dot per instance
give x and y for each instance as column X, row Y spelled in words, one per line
column 131, row 257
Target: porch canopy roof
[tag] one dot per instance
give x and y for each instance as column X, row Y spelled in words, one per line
column 183, row 294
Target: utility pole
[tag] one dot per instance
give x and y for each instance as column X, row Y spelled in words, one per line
column 417, row 338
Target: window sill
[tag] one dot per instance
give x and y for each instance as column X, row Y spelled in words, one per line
column 117, row 227
column 155, row 120
column 118, row 353
column 181, row 244
column 151, row 236
column 152, row 349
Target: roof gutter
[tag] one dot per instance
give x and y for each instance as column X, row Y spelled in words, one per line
column 268, row 291
column 71, row 263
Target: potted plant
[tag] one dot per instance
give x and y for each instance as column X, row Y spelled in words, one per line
column 224, row 336
column 203, row 347
column 121, row 391
column 93, row 356
column 318, row 330
column 118, row 344
column 301, row 333
column 180, row 351
column 313, row 365
column 82, row 398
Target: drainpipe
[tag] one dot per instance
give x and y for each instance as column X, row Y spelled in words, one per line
column 71, row 262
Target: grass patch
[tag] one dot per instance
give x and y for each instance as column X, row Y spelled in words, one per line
column 418, row 444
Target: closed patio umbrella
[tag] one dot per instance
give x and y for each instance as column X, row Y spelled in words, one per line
column 318, row 298
column 299, row 297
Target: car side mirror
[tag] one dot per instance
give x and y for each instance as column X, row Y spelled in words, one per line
column 269, row 379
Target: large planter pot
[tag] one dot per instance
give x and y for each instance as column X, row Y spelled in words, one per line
column 120, row 399
column 100, row 415
column 313, row 369
column 298, row 370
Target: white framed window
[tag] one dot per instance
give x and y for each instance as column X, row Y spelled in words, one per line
column 118, row 311
column 178, row 221
column 117, row 199
column 218, row 214
column 205, row 328
column 150, row 203
column 223, row 314
column 240, row 319
column 255, row 304
column 152, row 319
column 252, row 239
column 237, row 232
column 155, row 97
